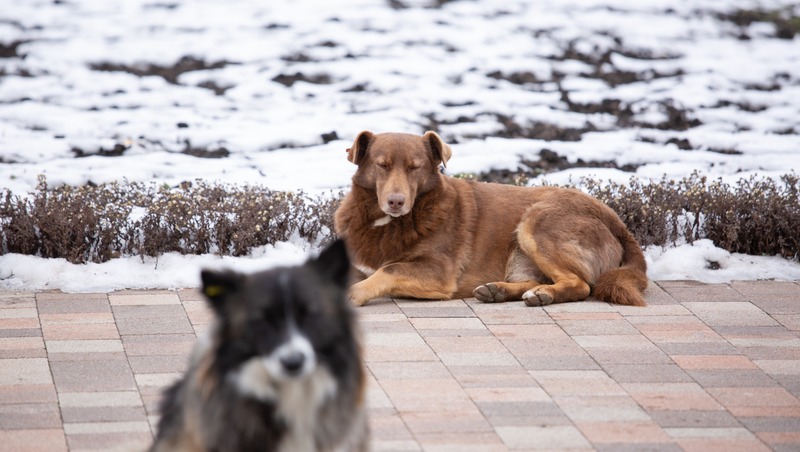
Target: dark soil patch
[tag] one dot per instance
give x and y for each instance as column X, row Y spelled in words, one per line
column 168, row 73
column 517, row 78
column 330, row 136
column 682, row 143
column 725, row 151
column 744, row 106
column 290, row 79
column 206, row 153
column 116, row 151
column 549, row 162
column 604, row 70
column 787, row 25
column 539, row 131
column 677, row 119
column 213, row 86
column 614, row 107
column 10, row 50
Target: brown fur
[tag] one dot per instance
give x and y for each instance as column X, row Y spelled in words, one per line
column 413, row 232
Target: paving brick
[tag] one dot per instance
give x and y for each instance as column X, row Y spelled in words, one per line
column 428, row 395
column 409, row 370
column 647, row 373
column 713, row 362
column 698, row 348
column 152, row 319
column 84, row 346
column 731, row 313
column 191, row 295
column 25, row 371
column 22, row 318
column 28, row 393
column 779, row 441
column 198, row 312
column 752, row 397
column 78, row 305
column 790, row 321
column 492, row 377
column 72, row 331
column 671, row 396
column 693, row 418
column 17, row 300
column 22, row 347
column 159, row 344
column 703, row 292
column 597, row 327
column 646, row 432
column 454, row 441
column 147, row 298
column 741, row 378
column 93, row 375
column 36, row 440
column 549, row 437
column 24, row 416
column 383, row 347
column 602, row 409
column 577, row 383
column 453, row 421
column 514, row 313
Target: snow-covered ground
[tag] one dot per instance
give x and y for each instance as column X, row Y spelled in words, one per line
column 92, row 90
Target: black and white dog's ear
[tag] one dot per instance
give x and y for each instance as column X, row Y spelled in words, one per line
column 358, row 151
column 219, row 285
column 333, row 263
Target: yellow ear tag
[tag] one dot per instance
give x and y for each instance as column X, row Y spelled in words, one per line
column 214, row 291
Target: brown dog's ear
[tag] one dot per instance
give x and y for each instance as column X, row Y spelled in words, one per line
column 441, row 151
column 358, row 151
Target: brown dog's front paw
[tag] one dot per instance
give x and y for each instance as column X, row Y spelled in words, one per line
column 537, row 297
column 489, row 293
column 356, row 298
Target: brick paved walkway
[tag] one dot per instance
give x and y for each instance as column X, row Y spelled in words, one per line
column 704, row 367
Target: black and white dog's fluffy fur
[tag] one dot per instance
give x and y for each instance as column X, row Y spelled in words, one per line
column 281, row 369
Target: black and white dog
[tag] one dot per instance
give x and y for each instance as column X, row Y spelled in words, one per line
column 282, row 367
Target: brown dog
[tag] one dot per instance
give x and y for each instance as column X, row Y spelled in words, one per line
column 413, row 232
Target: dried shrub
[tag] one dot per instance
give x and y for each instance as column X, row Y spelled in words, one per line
column 758, row 216
column 97, row 223
column 90, row 223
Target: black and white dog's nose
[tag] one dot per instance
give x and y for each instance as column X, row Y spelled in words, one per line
column 293, row 362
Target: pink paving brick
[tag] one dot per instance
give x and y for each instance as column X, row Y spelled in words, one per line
column 713, row 362
column 671, row 396
column 64, row 331
column 754, row 397
column 38, row 440
column 631, row 432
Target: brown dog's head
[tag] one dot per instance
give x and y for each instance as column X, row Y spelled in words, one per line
column 398, row 167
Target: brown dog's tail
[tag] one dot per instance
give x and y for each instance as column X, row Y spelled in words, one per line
column 626, row 284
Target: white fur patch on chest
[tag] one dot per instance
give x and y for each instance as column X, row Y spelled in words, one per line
column 299, row 403
column 382, row 221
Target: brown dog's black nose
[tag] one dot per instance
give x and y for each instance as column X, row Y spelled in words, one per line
column 396, row 201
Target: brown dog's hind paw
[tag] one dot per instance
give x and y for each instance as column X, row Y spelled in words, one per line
column 537, row 297
column 489, row 293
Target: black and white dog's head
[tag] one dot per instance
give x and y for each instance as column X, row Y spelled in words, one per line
column 283, row 326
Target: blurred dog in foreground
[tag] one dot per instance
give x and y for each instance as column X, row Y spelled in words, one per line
column 282, row 368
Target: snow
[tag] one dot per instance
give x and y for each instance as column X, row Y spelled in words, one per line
column 387, row 70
